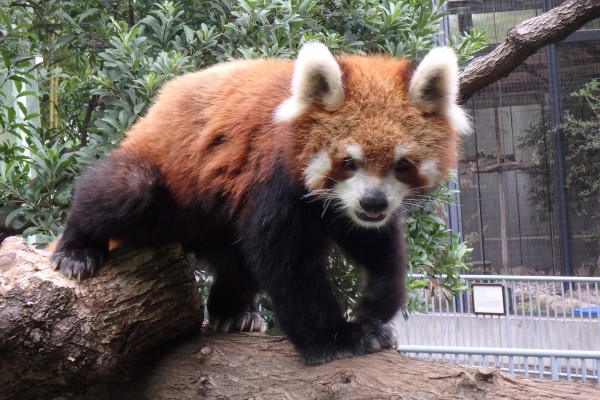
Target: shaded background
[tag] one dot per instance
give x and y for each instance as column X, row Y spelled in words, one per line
column 529, row 197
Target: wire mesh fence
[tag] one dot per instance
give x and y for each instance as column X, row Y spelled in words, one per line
column 530, row 174
column 549, row 327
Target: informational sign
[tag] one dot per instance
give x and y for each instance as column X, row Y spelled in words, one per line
column 488, row 298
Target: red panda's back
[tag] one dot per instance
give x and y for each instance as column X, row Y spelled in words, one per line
column 211, row 131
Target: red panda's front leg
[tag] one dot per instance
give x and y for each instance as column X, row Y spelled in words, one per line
column 381, row 253
column 286, row 244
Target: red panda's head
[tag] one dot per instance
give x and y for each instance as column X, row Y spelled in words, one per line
column 370, row 131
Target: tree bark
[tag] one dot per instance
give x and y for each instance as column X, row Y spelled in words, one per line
column 522, row 41
column 61, row 339
column 69, row 341
column 56, row 333
column 254, row 366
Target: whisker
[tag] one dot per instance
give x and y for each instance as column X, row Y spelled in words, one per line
column 325, row 207
column 331, row 179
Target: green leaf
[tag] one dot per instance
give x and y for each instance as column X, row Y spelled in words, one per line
column 64, row 16
column 87, row 13
column 8, row 221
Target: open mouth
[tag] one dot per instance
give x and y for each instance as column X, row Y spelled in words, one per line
column 370, row 216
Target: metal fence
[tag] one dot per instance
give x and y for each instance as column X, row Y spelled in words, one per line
column 550, row 327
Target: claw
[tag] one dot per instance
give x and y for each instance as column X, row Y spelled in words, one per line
column 214, row 324
column 226, row 326
column 243, row 322
column 77, row 264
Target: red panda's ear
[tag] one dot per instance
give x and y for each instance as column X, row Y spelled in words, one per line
column 317, row 79
column 434, row 87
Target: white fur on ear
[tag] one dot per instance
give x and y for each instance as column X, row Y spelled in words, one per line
column 434, row 87
column 317, row 78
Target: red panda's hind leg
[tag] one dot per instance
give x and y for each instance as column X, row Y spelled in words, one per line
column 121, row 197
column 232, row 301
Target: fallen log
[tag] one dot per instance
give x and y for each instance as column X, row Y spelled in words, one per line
column 98, row 340
column 56, row 334
column 255, row 366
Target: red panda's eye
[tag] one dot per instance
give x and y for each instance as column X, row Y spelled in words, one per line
column 403, row 166
column 348, row 164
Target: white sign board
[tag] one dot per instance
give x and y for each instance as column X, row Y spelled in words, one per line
column 488, row 298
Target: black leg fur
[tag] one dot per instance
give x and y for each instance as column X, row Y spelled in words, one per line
column 382, row 254
column 232, row 302
column 120, row 197
column 286, row 243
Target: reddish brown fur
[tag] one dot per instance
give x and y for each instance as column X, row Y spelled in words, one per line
column 210, row 168
column 377, row 115
column 213, row 131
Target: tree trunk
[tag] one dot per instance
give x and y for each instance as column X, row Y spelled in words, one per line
column 61, row 339
column 56, row 333
column 64, row 340
column 254, row 366
column 523, row 40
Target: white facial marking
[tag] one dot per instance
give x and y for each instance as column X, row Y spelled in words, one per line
column 355, row 151
column 352, row 190
column 317, row 169
column 400, row 151
column 429, row 169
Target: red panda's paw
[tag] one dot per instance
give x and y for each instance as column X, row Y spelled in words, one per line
column 392, row 338
column 357, row 340
column 242, row 322
column 77, row 263
column 378, row 303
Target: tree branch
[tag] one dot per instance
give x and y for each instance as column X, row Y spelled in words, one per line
column 254, row 366
column 62, row 339
column 87, row 119
column 523, row 40
column 56, row 334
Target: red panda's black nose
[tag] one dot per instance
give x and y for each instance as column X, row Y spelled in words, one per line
column 374, row 202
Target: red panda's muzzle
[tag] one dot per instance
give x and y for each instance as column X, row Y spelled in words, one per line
column 374, row 206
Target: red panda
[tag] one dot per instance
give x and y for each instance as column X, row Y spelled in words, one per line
column 260, row 166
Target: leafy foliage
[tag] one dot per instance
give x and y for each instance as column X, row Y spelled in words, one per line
column 434, row 251
column 35, row 175
column 104, row 61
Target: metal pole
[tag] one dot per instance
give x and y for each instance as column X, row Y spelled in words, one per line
column 560, row 186
column 454, row 213
column 560, row 179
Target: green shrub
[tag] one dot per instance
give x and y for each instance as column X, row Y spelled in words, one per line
column 112, row 60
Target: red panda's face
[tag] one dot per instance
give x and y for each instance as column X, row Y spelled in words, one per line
column 370, row 131
column 368, row 192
